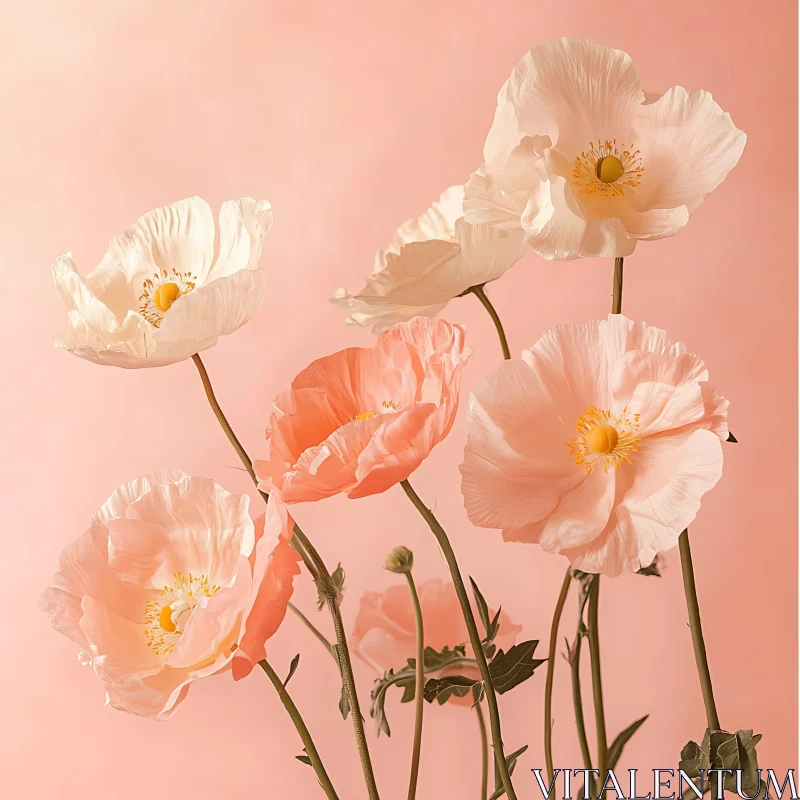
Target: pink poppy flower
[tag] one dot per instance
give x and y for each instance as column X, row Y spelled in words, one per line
column 363, row 419
column 586, row 163
column 172, row 582
column 168, row 287
column 385, row 635
column 432, row 259
column 598, row 444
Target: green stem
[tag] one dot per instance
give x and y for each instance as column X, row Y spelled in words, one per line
column 484, row 752
column 310, row 625
column 329, row 591
column 474, row 636
column 577, row 698
column 419, row 697
column 597, row 683
column 700, row 657
column 237, row 445
column 616, row 302
column 548, row 684
column 323, row 579
column 481, row 295
column 305, row 736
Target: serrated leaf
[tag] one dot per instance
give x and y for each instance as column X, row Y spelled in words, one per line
column 292, row 668
column 512, row 668
column 441, row 689
column 511, row 763
column 615, row 751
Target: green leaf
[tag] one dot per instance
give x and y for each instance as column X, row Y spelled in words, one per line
column 615, row 751
column 732, row 438
column 511, row 763
column 442, row 689
column 304, row 758
column 653, row 569
column 292, row 668
column 337, row 582
column 483, row 609
column 512, row 668
column 723, row 750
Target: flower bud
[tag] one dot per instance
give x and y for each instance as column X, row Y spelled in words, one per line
column 399, row 560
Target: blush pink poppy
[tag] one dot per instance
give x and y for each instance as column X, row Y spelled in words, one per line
column 598, row 444
column 384, row 635
column 363, row 419
column 173, row 581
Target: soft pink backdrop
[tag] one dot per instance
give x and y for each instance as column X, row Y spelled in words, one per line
column 349, row 117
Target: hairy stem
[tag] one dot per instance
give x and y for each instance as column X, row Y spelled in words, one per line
column 317, row 568
column 548, row 684
column 484, row 752
column 305, row 736
column 419, row 697
column 481, row 295
column 700, row 657
column 329, row 591
column 474, row 637
column 597, row 683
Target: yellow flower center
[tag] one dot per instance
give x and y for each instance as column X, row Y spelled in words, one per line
column 166, row 295
column 364, row 415
column 604, row 438
column 160, row 291
column 167, row 615
column 607, row 169
column 387, row 407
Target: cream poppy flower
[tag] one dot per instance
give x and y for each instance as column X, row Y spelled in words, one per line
column 599, row 444
column 586, row 163
column 431, row 259
column 168, row 287
column 172, row 582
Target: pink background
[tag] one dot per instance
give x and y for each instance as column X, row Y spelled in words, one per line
column 350, row 117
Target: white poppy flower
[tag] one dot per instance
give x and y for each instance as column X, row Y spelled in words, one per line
column 586, row 163
column 431, row 259
column 168, row 287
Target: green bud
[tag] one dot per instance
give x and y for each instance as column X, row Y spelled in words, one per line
column 399, row 560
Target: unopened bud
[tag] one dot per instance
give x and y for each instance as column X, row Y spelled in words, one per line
column 400, row 560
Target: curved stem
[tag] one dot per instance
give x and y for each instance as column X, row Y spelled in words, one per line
column 310, row 625
column 474, row 636
column 305, row 736
column 484, row 753
column 329, row 591
column 317, row 568
column 548, row 684
column 212, row 399
column 419, row 697
column 616, row 302
column 597, row 684
column 481, row 295
column 700, row 657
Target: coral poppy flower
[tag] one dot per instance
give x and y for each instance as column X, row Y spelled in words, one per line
column 363, row 419
column 172, row 582
column 598, row 444
column 586, row 163
column 432, row 259
column 166, row 289
column 384, row 635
